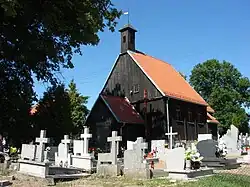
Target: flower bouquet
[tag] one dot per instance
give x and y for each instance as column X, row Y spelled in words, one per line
column 193, row 159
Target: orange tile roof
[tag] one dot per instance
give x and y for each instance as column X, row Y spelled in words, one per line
column 210, row 109
column 167, row 79
column 211, row 119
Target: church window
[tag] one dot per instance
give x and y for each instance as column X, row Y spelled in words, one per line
column 136, row 88
column 178, row 113
column 124, row 39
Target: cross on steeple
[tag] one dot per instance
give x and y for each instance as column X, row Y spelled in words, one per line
column 114, row 145
column 86, row 136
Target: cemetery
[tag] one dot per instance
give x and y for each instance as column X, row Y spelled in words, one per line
column 178, row 162
column 150, row 125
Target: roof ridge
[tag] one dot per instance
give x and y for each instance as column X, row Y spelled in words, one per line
column 140, row 52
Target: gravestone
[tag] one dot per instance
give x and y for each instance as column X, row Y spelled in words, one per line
column 204, row 137
column 62, row 157
column 170, row 135
column 42, row 140
column 134, row 165
column 130, row 145
column 175, row 159
column 81, row 158
column 78, row 146
column 176, row 163
column 35, row 165
column 159, row 147
column 107, row 162
column 207, row 148
column 231, row 140
column 86, row 136
column 28, row 152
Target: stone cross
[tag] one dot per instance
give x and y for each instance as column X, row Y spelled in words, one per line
column 140, row 147
column 86, row 136
column 42, row 140
column 171, row 134
column 66, row 141
column 114, row 139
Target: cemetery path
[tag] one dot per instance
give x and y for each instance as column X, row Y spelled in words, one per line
column 243, row 170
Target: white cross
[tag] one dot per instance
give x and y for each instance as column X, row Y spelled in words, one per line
column 66, row 141
column 114, row 140
column 140, row 147
column 86, row 136
column 42, row 140
column 171, row 134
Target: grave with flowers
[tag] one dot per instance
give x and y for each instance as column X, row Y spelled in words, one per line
column 215, row 155
column 185, row 164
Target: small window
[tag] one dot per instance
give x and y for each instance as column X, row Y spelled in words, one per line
column 190, row 116
column 178, row 113
column 199, row 118
column 136, row 88
column 124, row 39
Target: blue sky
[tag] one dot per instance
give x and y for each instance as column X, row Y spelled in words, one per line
column 182, row 33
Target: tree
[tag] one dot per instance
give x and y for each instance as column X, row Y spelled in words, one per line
column 53, row 113
column 41, row 36
column 78, row 109
column 61, row 111
column 38, row 38
column 225, row 89
column 15, row 101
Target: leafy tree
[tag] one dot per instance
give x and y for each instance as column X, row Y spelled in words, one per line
column 38, row 38
column 41, row 36
column 225, row 89
column 53, row 113
column 15, row 101
column 78, row 109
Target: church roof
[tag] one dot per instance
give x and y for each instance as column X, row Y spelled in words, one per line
column 211, row 119
column 210, row 109
column 122, row 110
column 166, row 79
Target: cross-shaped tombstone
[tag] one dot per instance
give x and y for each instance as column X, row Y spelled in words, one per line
column 140, row 147
column 171, row 134
column 114, row 140
column 66, row 141
column 86, row 136
column 42, row 140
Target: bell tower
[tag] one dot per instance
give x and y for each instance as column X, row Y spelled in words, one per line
column 127, row 38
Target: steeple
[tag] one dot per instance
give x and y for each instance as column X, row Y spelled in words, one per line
column 127, row 38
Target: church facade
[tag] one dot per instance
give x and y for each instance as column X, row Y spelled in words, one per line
column 144, row 96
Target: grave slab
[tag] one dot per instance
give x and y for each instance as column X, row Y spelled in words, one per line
column 33, row 168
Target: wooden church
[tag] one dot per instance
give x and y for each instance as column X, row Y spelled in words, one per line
column 144, row 96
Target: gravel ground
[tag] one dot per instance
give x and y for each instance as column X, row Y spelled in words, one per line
column 93, row 181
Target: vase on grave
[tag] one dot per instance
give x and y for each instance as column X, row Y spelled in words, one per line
column 187, row 164
column 195, row 165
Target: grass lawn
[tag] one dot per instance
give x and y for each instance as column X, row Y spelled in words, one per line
column 220, row 180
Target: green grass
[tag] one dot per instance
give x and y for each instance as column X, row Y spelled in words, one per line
column 220, row 180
